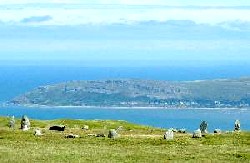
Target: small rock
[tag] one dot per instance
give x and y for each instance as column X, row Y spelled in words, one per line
column 38, row 132
column 100, row 135
column 72, row 136
column 112, row 133
column 197, row 134
column 169, row 135
column 173, row 129
column 217, row 131
column 85, row 127
column 183, row 131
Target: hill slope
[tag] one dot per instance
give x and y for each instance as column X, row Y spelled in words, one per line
column 135, row 144
column 141, row 93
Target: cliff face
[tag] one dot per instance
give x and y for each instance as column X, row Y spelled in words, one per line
column 210, row 93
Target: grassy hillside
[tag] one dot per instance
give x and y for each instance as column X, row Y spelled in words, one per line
column 135, row 144
column 209, row 93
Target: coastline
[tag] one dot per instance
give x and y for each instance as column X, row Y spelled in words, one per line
column 158, row 117
column 121, row 107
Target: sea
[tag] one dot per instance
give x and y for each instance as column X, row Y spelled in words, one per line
column 16, row 80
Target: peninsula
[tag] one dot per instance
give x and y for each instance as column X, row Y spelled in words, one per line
column 219, row 93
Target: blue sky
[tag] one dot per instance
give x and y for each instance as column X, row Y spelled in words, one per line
column 151, row 32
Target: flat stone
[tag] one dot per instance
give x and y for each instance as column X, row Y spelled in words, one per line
column 57, row 128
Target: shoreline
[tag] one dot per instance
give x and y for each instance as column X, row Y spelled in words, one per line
column 121, row 107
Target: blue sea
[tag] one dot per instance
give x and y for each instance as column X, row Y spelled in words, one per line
column 15, row 80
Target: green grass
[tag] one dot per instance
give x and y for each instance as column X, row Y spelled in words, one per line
column 135, row 144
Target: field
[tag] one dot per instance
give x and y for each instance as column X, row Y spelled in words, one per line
column 135, row 144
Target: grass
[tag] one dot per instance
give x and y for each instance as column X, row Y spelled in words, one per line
column 135, row 144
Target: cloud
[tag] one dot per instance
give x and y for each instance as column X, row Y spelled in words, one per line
column 137, row 30
column 78, row 12
column 181, row 23
column 36, row 19
column 135, row 2
column 176, row 39
column 236, row 25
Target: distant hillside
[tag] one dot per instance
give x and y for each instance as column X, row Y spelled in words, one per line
column 141, row 93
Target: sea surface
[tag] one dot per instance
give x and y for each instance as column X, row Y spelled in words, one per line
column 15, row 80
column 189, row 119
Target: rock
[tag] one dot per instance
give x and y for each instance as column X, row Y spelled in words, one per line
column 57, row 128
column 25, row 123
column 120, row 128
column 169, row 135
column 100, row 135
column 183, row 131
column 38, row 132
column 203, row 127
column 12, row 122
column 197, row 134
column 85, row 127
column 237, row 125
column 217, row 131
column 72, row 136
column 112, row 133
column 25, row 128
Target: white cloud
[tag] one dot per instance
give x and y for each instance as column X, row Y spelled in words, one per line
column 137, row 2
column 77, row 12
column 90, row 14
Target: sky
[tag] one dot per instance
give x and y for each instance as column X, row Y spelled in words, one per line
column 125, row 32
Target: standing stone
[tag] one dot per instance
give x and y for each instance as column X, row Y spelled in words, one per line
column 25, row 128
column 169, row 135
column 112, row 133
column 237, row 125
column 25, row 123
column 12, row 122
column 197, row 134
column 203, row 127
